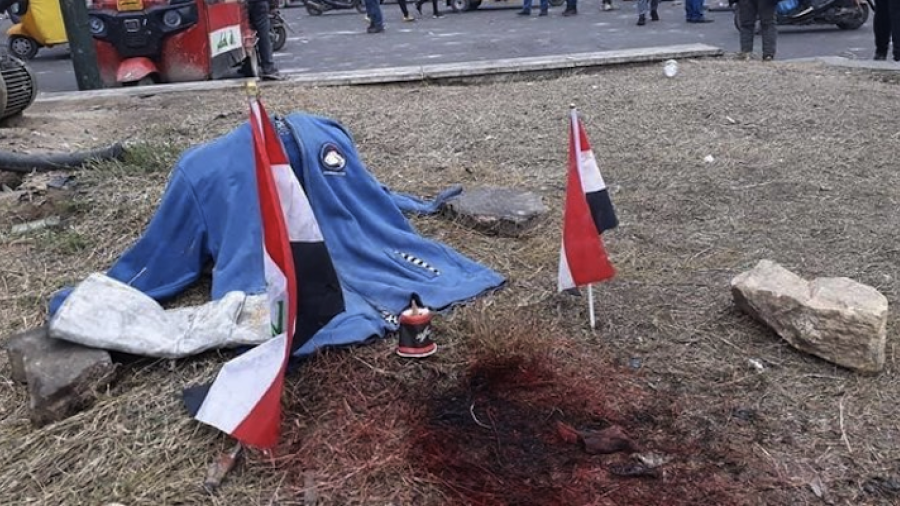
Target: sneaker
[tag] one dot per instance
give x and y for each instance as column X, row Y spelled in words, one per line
column 654, row 16
column 438, row 16
column 743, row 55
column 642, row 20
column 271, row 74
column 768, row 57
column 880, row 56
column 408, row 19
column 524, row 13
column 570, row 12
column 375, row 29
column 607, row 6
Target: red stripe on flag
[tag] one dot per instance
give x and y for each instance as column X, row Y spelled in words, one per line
column 582, row 245
column 262, row 426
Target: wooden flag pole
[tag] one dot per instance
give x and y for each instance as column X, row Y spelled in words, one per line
column 591, row 306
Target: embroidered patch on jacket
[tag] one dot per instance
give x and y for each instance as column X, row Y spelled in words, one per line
column 390, row 318
column 417, row 261
column 333, row 160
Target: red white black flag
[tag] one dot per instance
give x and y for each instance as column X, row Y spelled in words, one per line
column 245, row 399
column 588, row 212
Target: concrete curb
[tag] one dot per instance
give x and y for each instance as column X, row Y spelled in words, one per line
column 421, row 73
column 849, row 63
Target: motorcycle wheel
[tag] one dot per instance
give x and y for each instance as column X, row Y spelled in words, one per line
column 557, row 3
column 360, row 7
column 279, row 37
column 22, row 47
column 313, row 10
column 857, row 21
column 460, row 5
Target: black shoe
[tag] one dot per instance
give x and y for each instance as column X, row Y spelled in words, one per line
column 524, row 13
column 654, row 16
column 375, row 29
column 543, row 13
column 880, row 56
column 700, row 20
column 642, row 20
column 570, row 12
column 271, row 74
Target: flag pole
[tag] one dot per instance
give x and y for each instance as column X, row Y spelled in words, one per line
column 591, row 306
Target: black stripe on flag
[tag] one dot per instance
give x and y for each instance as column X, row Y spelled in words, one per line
column 602, row 210
column 319, row 296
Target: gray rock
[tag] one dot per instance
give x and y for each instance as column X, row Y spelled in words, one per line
column 502, row 211
column 62, row 377
column 837, row 319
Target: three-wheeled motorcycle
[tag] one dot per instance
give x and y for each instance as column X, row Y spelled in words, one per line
column 40, row 24
column 153, row 41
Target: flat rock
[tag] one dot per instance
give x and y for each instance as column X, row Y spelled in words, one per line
column 62, row 377
column 837, row 319
column 501, row 211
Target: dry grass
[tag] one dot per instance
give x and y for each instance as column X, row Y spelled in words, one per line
column 804, row 173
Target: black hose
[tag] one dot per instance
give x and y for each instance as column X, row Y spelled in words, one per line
column 16, row 162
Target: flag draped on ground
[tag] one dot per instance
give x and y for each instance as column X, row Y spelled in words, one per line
column 588, row 212
column 245, row 399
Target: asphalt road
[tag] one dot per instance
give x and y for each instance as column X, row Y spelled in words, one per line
column 337, row 39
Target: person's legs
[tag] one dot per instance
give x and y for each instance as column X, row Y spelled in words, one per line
column 571, row 7
column 894, row 13
column 643, row 8
column 259, row 18
column 403, row 8
column 376, row 21
column 766, row 12
column 654, row 6
column 693, row 11
column 881, row 26
column 526, row 7
column 545, row 6
column 747, row 13
column 434, row 9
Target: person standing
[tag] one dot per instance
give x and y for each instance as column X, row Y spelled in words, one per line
column 435, row 13
column 886, row 26
column 748, row 12
column 644, row 7
column 526, row 8
column 376, row 19
column 258, row 11
column 693, row 10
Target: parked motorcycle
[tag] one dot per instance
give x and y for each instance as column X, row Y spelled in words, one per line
column 317, row 7
column 277, row 29
column 845, row 14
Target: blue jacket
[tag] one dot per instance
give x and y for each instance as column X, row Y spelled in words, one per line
column 210, row 213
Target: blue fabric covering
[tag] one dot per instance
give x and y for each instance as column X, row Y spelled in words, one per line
column 210, row 213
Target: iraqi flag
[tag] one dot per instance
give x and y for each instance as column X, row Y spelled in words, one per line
column 245, row 398
column 588, row 213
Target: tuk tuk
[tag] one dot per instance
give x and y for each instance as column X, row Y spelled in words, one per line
column 158, row 41
column 40, row 25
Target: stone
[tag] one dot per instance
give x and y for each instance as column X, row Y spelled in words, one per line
column 501, row 211
column 837, row 319
column 62, row 377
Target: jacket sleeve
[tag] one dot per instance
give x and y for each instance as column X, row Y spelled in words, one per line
column 172, row 252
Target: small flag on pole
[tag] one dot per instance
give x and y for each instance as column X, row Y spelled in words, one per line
column 588, row 213
column 245, row 398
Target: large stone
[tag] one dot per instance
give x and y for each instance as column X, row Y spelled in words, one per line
column 62, row 377
column 837, row 319
column 502, row 211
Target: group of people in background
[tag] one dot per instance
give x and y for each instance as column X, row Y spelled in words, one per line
column 886, row 23
column 646, row 9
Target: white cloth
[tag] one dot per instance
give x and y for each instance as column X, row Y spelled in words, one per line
column 108, row 314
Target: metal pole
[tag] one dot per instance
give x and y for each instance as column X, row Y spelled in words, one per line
column 81, row 44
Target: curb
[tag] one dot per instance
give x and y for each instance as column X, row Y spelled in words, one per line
column 420, row 73
column 849, row 63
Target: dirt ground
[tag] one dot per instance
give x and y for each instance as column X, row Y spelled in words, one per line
column 803, row 172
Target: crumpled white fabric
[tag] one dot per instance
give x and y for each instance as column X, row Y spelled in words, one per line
column 105, row 313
